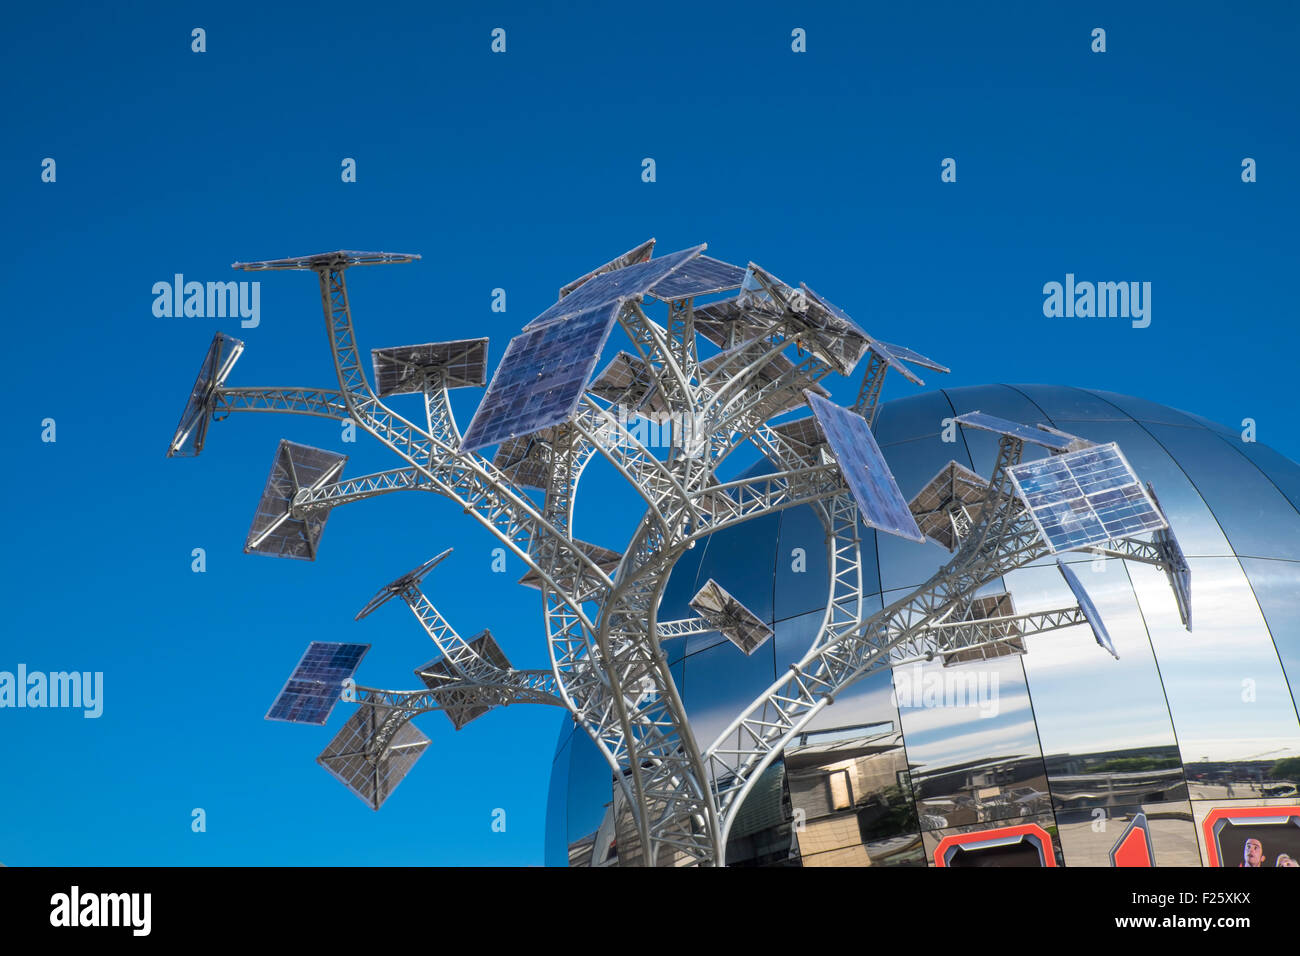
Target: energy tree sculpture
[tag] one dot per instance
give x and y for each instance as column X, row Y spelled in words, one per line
column 546, row 415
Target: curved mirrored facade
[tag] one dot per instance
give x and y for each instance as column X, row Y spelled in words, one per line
column 1180, row 750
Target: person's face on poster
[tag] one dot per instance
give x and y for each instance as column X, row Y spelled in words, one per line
column 1285, row 860
column 1254, row 852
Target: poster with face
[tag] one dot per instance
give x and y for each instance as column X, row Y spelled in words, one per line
column 1253, row 837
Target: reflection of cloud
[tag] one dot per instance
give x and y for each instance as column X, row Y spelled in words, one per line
column 1010, row 740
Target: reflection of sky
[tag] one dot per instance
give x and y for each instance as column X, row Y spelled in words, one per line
column 941, row 736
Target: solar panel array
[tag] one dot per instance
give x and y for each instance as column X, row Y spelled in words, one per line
column 541, row 378
column 736, row 622
column 342, row 257
column 626, row 382
column 314, row 687
column 187, row 440
column 616, row 286
column 829, row 333
column 1089, row 609
column 864, row 469
column 634, row 255
column 398, row 585
column 1175, row 563
column 905, row 354
column 460, row 706
column 1085, row 497
column 402, row 369
column 294, row 467
column 1058, row 441
column 955, row 486
column 725, row 323
column 525, row 460
column 803, row 435
column 604, row 558
column 373, row 778
column 703, row 275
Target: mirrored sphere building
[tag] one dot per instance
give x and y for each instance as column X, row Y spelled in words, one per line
column 1185, row 751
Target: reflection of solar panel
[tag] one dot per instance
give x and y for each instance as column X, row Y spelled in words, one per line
column 1085, row 497
column 864, row 469
column 604, row 558
column 981, row 609
column 1054, row 440
column 372, row 778
column 401, row 370
column 541, row 378
column 782, row 400
column 625, row 382
column 616, row 286
column 314, row 687
column 395, row 587
column 701, row 276
column 1089, row 609
column 276, row 531
column 1174, row 562
column 640, row 253
column 737, row 623
column 221, row 356
column 343, row 257
column 459, row 706
column 954, row 487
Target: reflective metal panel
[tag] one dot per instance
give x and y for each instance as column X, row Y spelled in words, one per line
column 1277, row 588
column 1088, row 836
column 1249, row 833
column 1026, row 843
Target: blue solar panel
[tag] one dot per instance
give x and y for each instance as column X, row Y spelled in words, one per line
column 992, row 423
column 314, row 686
column 864, row 469
column 541, row 377
column 641, row 253
column 703, row 275
column 1089, row 609
column 616, row 286
column 1085, row 498
column 192, row 431
column 895, row 362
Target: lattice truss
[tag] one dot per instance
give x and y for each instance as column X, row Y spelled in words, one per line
column 735, row 357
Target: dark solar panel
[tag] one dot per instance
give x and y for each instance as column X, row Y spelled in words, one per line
column 276, row 531
column 314, row 686
column 187, row 440
column 1054, row 440
column 372, row 777
column 402, row 369
column 701, row 276
column 616, row 286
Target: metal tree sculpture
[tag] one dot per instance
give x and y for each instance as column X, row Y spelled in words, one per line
column 547, row 417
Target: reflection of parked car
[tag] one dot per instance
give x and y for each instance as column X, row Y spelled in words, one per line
column 1280, row 790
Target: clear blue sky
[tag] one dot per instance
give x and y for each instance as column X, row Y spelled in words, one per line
column 522, row 171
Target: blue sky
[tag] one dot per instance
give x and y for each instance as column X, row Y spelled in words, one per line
column 521, row 171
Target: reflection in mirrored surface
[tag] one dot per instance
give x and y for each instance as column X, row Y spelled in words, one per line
column 1277, row 588
column 969, row 730
column 1231, row 706
column 1248, row 833
column 981, row 845
column 850, row 789
column 1088, row 836
column 763, row 834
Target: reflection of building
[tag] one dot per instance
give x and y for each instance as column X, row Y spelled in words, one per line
column 1063, row 737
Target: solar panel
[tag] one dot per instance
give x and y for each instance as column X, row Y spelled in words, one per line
column 604, row 558
column 276, row 530
column 954, row 486
column 314, row 687
column 864, row 469
column 829, row 333
column 778, row 365
column 634, row 255
column 342, row 257
column 702, row 276
column 616, row 286
column 373, row 777
column 803, row 435
column 540, row 380
column 1089, row 609
column 736, row 622
column 1057, row 441
column 187, row 440
column 725, row 323
column 895, row 362
column 1085, row 497
column 916, row 358
column 460, row 706
column 762, row 291
column 525, row 460
column 397, row 586
column 626, row 382
column 1174, row 562
column 402, row 370
column 981, row 609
